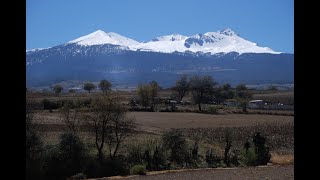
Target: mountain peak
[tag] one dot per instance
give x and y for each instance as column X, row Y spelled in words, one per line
column 228, row 32
column 100, row 37
column 99, row 31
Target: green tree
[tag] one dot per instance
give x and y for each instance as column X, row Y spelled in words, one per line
column 57, row 88
column 105, row 86
column 143, row 92
column 154, row 87
column 223, row 93
column 89, row 87
column 202, row 88
column 182, row 86
column 243, row 95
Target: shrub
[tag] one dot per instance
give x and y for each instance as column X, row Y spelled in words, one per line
column 248, row 157
column 138, row 170
column 211, row 159
column 49, row 105
column 65, row 102
column 261, row 150
column 158, row 159
column 106, row 167
column 176, row 142
column 221, row 164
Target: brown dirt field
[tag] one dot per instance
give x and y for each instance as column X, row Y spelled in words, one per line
column 158, row 121
column 260, row 172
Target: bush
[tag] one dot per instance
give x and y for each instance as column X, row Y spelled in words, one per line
column 176, row 142
column 211, row 159
column 248, row 157
column 261, row 150
column 49, row 105
column 221, row 164
column 138, row 170
column 106, row 167
column 68, row 103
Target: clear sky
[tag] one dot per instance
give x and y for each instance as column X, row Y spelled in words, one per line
column 269, row 23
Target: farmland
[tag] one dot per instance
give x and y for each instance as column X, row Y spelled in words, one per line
column 206, row 128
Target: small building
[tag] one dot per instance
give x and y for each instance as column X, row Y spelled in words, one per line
column 257, row 104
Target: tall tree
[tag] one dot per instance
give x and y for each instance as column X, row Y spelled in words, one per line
column 89, row 87
column 109, row 124
column 182, row 86
column 105, row 86
column 243, row 95
column 202, row 88
column 143, row 92
column 223, row 93
column 154, row 87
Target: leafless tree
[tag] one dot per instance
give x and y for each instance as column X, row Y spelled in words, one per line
column 108, row 121
column 70, row 118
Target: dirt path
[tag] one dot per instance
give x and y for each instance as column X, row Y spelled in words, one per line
column 262, row 172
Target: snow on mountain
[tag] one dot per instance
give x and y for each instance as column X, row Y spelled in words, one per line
column 211, row 42
column 224, row 41
column 166, row 44
column 100, row 37
column 36, row 49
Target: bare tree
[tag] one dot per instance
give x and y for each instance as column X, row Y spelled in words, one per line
column 109, row 123
column 182, row 86
column 119, row 129
column 70, row 118
column 201, row 88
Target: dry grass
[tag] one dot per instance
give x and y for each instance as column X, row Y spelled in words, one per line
column 282, row 159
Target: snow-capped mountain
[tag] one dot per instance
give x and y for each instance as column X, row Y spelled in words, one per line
column 211, row 42
column 106, row 55
column 100, row 37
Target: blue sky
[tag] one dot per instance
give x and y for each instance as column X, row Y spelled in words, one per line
column 267, row 22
